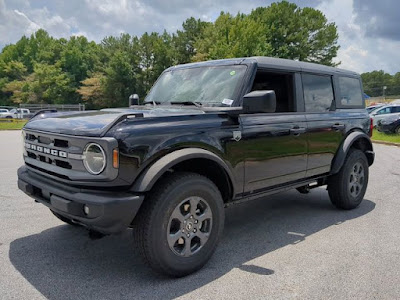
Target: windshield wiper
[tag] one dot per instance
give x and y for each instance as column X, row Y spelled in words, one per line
column 195, row 103
column 152, row 102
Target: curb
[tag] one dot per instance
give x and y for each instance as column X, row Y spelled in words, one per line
column 386, row 143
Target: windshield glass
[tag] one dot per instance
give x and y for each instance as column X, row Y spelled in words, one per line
column 207, row 86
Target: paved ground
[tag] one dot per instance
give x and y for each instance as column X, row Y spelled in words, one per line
column 286, row 246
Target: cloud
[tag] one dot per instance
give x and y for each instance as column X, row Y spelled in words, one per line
column 360, row 50
column 368, row 30
column 379, row 18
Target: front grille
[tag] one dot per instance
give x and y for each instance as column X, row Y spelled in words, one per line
column 50, row 152
column 62, row 155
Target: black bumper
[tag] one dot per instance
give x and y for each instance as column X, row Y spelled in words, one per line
column 108, row 211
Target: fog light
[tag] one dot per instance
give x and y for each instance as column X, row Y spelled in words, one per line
column 86, row 209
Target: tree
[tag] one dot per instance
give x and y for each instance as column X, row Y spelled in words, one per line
column 119, row 80
column 51, row 85
column 92, row 91
column 230, row 37
column 374, row 82
column 298, row 33
column 184, row 40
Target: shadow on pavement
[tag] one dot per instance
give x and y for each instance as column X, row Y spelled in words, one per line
column 63, row 263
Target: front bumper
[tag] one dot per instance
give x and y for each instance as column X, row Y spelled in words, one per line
column 109, row 211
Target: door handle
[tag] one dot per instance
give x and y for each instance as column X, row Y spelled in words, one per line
column 297, row 130
column 338, row 127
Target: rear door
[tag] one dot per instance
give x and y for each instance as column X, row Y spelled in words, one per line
column 325, row 128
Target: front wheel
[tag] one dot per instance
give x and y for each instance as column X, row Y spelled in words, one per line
column 180, row 224
column 347, row 188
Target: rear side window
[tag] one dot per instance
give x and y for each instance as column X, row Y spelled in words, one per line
column 350, row 92
column 396, row 109
column 318, row 92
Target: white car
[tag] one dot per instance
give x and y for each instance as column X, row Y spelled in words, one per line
column 5, row 113
column 385, row 112
column 20, row 113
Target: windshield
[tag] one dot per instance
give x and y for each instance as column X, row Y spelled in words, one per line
column 206, row 86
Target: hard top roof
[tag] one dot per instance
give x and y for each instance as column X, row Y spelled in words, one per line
column 272, row 63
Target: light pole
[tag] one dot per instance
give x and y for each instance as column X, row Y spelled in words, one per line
column 384, row 89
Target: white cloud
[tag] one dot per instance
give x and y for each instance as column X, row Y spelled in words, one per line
column 99, row 18
column 358, row 51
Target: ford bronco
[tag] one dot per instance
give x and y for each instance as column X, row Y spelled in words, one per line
column 207, row 135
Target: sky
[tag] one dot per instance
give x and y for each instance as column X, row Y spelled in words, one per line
column 369, row 30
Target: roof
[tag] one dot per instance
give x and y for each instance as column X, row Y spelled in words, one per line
column 273, row 63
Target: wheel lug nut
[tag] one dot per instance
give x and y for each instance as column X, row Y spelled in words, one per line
column 194, row 230
column 191, row 217
column 195, row 221
column 188, row 235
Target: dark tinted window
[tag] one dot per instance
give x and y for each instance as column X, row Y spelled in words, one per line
column 318, row 92
column 350, row 92
column 396, row 109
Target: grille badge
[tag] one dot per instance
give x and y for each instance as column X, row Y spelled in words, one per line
column 46, row 150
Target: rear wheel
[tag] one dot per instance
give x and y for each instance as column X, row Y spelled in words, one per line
column 347, row 188
column 180, row 224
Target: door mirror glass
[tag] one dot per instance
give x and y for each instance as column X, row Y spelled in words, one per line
column 259, row 102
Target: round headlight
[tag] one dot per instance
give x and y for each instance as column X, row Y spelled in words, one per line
column 94, row 158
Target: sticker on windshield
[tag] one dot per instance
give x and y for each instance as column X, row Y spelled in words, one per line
column 227, row 101
column 232, row 73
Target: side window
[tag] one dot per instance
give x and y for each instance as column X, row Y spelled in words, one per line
column 281, row 83
column 318, row 92
column 383, row 111
column 396, row 109
column 350, row 92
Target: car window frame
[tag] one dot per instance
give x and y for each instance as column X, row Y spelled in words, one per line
column 338, row 103
column 334, row 92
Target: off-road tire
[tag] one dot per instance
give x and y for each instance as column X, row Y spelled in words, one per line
column 152, row 224
column 340, row 185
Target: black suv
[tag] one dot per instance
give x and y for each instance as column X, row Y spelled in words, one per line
column 207, row 135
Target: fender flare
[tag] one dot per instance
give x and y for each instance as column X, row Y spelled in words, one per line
column 149, row 177
column 344, row 148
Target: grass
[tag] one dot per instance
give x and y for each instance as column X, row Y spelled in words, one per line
column 13, row 125
column 380, row 136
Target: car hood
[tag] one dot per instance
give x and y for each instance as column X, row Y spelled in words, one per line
column 95, row 123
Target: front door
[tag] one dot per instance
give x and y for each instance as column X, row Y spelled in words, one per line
column 275, row 147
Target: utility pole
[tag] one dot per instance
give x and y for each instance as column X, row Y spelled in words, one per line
column 384, row 89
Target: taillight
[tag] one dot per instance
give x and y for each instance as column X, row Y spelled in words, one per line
column 371, row 127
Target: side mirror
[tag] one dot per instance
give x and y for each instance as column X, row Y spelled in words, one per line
column 133, row 99
column 259, row 102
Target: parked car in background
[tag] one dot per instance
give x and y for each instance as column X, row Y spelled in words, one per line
column 389, row 125
column 373, row 107
column 384, row 113
column 21, row 113
column 5, row 113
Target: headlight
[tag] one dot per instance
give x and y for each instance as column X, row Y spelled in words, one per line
column 94, row 158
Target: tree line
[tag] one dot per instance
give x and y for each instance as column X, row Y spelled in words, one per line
column 375, row 82
column 43, row 69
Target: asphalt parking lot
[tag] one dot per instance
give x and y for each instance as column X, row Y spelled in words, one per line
column 288, row 246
